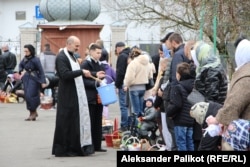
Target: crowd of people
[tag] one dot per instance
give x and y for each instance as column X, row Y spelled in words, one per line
column 177, row 69
column 216, row 123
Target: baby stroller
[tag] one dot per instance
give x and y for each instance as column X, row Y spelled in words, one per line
column 13, row 84
column 153, row 135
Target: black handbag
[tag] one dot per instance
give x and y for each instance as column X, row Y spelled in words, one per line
column 150, row 84
column 195, row 97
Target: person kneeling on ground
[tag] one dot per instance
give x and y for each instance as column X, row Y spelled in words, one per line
column 52, row 83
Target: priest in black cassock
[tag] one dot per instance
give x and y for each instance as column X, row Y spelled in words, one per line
column 72, row 135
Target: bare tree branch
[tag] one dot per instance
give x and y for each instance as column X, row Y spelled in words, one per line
column 232, row 16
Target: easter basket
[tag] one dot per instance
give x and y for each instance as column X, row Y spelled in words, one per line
column 116, row 141
column 133, row 144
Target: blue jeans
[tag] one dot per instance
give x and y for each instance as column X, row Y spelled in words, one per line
column 184, row 138
column 136, row 99
column 123, row 108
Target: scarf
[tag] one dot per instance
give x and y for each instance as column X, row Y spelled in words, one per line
column 84, row 118
column 206, row 58
column 242, row 55
column 237, row 135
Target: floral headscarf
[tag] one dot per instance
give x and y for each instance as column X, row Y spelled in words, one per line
column 237, row 135
column 205, row 57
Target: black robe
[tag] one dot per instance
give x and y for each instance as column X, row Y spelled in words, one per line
column 67, row 131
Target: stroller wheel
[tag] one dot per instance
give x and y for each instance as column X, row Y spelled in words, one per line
column 125, row 136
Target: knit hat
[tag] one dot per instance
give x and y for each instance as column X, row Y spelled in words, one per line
column 237, row 135
column 198, row 111
column 151, row 100
column 119, row 44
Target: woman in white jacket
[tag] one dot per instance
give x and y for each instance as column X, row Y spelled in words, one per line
column 137, row 74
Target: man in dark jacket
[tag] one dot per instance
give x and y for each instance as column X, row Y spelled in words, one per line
column 178, row 47
column 10, row 61
column 121, row 66
column 93, row 64
column 105, row 53
column 52, row 83
column 3, row 74
column 48, row 59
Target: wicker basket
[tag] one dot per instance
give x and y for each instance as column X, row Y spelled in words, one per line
column 3, row 95
column 112, row 138
column 46, row 102
column 116, row 141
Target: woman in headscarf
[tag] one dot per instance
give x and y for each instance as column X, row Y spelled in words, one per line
column 237, row 103
column 33, row 78
column 211, row 79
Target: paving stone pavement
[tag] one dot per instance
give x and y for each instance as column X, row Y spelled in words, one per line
column 29, row 144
